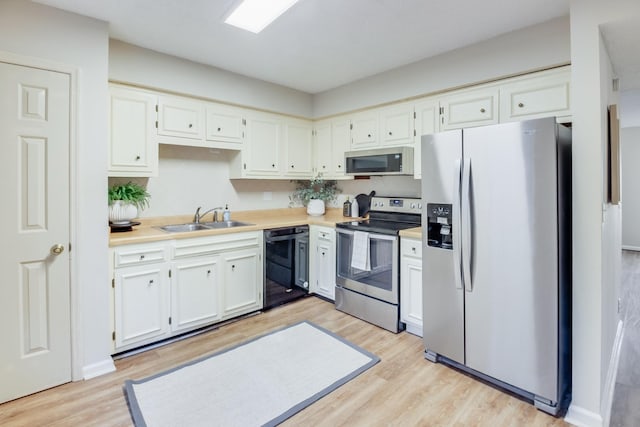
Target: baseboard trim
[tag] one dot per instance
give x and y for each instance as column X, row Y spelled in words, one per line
column 97, row 369
column 581, row 417
column 612, row 373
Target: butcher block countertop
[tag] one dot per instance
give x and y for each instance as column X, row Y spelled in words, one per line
column 149, row 231
column 413, row 233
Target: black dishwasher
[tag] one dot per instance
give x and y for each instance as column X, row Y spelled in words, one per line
column 286, row 267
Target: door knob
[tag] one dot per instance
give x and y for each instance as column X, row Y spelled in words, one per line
column 57, row 249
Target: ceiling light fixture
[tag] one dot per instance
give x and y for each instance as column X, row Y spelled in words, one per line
column 255, row 15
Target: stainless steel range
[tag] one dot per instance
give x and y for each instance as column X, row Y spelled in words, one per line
column 368, row 259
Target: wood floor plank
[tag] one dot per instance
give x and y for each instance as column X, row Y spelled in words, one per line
column 403, row 389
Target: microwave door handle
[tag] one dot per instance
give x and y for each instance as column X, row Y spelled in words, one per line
column 466, row 231
column 455, row 222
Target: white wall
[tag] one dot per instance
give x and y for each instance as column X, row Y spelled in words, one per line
column 536, row 47
column 138, row 66
column 596, row 225
column 629, row 111
column 38, row 31
column 630, row 154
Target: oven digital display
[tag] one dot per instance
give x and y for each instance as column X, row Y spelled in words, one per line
column 396, row 203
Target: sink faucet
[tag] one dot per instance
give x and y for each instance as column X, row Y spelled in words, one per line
column 198, row 216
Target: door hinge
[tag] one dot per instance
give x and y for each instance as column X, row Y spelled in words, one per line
column 169, row 319
column 244, row 122
column 414, row 132
column 156, row 124
column 113, row 282
column 350, row 126
column 69, row 246
column 441, row 110
column 113, row 336
column 169, row 273
column 156, row 108
column 245, row 166
column 414, row 115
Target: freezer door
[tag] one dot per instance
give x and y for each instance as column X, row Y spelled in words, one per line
column 511, row 302
column 443, row 318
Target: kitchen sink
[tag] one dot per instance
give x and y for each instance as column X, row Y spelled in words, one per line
column 225, row 224
column 192, row 226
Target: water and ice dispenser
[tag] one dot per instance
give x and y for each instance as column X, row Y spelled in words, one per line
column 439, row 226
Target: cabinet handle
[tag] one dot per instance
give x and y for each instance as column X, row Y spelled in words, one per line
column 150, row 282
column 322, row 253
column 413, row 250
column 520, row 105
column 219, row 129
column 390, row 133
column 369, row 135
column 324, row 167
column 482, row 110
column 137, row 157
column 339, row 166
column 291, row 166
column 190, row 125
column 233, row 266
column 273, row 165
column 141, row 257
column 208, row 272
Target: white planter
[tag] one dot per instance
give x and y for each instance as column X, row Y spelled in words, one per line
column 122, row 212
column 315, row 207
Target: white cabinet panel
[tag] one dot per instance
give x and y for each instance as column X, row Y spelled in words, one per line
column 426, row 123
column 322, row 274
column 133, row 146
column 397, row 125
column 535, row 97
column 195, row 293
column 411, row 284
column 242, row 291
column 364, row 130
column 332, row 138
column 297, row 148
column 181, row 117
column 260, row 155
column 470, row 108
column 225, row 124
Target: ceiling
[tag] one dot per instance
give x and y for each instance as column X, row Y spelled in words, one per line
column 318, row 44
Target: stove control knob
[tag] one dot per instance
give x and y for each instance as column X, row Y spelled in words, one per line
column 413, row 205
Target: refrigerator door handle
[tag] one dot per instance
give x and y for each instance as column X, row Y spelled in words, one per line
column 465, row 231
column 455, row 222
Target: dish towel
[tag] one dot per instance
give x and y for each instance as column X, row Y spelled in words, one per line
column 360, row 257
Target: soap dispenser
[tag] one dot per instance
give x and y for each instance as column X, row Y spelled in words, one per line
column 226, row 214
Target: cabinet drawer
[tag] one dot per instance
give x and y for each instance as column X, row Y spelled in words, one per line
column 470, row 109
column 127, row 256
column 198, row 246
column 411, row 247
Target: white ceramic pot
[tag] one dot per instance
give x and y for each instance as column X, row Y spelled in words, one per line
column 122, row 212
column 315, row 207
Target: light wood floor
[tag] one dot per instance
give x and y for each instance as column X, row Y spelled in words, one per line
column 403, row 389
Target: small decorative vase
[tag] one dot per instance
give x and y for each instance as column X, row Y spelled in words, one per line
column 122, row 212
column 315, row 207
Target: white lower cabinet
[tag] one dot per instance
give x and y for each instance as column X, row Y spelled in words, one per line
column 195, row 290
column 411, row 284
column 322, row 274
column 171, row 287
column 242, row 282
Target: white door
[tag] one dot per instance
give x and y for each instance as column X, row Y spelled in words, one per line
column 34, row 224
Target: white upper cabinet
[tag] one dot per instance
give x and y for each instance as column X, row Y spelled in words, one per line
column 260, row 155
column 534, row 97
column 298, row 148
column 397, row 124
column 364, row 130
column 426, row 122
column 133, row 148
column 225, row 124
column 469, row 108
column 181, row 117
column 331, row 139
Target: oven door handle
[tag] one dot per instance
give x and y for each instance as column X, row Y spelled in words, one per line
column 375, row 236
column 282, row 238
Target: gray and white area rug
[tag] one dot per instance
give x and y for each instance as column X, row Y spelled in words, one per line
column 260, row 382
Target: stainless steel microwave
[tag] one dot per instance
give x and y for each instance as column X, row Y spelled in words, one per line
column 380, row 161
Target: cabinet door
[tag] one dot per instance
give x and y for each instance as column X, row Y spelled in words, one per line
column 262, row 146
column 397, row 125
column 242, row 290
column 322, row 150
column 325, row 263
column 340, row 143
column 298, row 139
column 195, row 290
column 468, row 109
column 426, row 123
column 364, row 133
column 411, row 285
column 133, row 147
column 536, row 97
column 181, row 117
column 224, row 124
column 141, row 304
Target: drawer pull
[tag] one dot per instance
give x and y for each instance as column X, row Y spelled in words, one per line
column 482, row 110
column 520, row 105
column 141, row 257
column 190, row 125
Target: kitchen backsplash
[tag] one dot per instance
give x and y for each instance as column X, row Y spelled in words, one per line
column 190, row 177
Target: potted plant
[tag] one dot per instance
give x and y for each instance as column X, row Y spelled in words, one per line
column 125, row 200
column 314, row 193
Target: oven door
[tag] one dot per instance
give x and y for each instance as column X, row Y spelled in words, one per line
column 381, row 281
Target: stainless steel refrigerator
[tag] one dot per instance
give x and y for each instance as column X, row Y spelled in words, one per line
column 497, row 256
